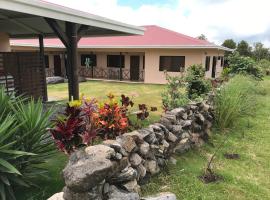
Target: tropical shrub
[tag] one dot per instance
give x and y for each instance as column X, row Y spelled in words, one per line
column 86, row 121
column 264, row 65
column 197, row 85
column 24, row 142
column 234, row 100
column 174, row 95
column 75, row 127
column 244, row 65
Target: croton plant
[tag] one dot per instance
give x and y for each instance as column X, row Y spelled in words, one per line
column 85, row 120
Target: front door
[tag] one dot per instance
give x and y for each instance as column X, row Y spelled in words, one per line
column 57, row 65
column 134, row 68
column 214, row 66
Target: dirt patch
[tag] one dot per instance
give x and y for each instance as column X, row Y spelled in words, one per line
column 232, row 156
column 210, row 178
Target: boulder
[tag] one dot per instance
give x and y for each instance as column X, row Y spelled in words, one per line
column 86, row 168
column 183, row 146
column 171, row 137
column 93, row 193
column 132, row 186
column 55, row 80
column 57, row 196
column 161, row 196
column 118, row 194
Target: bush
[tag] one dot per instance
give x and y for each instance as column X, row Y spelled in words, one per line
column 234, row 100
column 264, row 65
column 84, row 121
column 197, row 85
column 244, row 65
column 24, row 142
column 174, row 95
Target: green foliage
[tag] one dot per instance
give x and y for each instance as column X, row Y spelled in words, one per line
column 264, row 65
column 197, row 85
column 174, row 95
column 243, row 65
column 229, row 43
column 235, row 100
column 260, row 52
column 23, row 127
column 244, row 49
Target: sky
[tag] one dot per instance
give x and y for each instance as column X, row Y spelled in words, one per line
column 217, row 19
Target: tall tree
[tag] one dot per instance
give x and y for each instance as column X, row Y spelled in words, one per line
column 244, row 49
column 229, row 43
column 260, row 52
column 202, row 37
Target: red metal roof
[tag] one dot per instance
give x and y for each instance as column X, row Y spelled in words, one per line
column 153, row 36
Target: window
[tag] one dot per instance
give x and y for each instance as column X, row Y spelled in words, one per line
column 92, row 57
column 207, row 63
column 172, row 63
column 114, row 61
column 46, row 61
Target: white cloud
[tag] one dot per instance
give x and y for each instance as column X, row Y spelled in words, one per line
column 218, row 20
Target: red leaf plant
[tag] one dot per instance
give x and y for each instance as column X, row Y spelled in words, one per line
column 76, row 126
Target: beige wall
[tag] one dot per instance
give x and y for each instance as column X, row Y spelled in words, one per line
column 151, row 71
column 192, row 56
column 4, row 42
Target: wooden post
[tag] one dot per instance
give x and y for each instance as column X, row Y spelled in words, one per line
column 42, row 57
column 72, row 57
column 120, row 63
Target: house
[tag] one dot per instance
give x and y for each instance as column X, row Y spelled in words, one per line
column 142, row 57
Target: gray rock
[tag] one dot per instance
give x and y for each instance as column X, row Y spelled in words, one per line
column 186, row 123
column 118, row 156
column 141, row 171
column 161, row 196
column 55, row 80
column 87, row 168
column 125, row 175
column 151, row 138
column 106, row 188
column 144, row 149
column 132, row 186
column 184, row 116
column 171, row 137
column 94, row 193
column 135, row 159
column 127, row 142
column 57, row 196
column 173, row 160
column 185, row 135
column 151, row 167
column 117, row 194
column 176, row 129
column 160, row 135
column 178, row 111
column 183, row 146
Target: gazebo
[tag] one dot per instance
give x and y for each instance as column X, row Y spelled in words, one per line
column 39, row 19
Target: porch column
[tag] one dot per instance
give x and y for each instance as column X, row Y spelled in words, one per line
column 42, row 56
column 120, row 63
column 72, row 58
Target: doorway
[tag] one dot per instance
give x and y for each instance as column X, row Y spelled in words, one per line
column 57, row 65
column 134, row 68
column 214, row 66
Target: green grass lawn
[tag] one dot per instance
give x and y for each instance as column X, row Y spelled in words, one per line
column 246, row 178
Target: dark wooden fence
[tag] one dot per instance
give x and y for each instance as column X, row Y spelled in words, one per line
column 108, row 73
column 27, row 72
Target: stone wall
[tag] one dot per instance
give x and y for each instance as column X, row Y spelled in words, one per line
column 115, row 169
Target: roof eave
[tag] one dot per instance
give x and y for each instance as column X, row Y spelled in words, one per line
column 46, row 9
